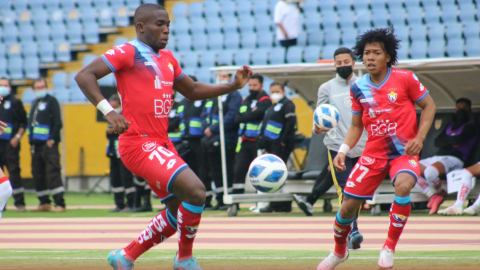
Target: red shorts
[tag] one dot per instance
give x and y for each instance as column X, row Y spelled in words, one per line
column 369, row 173
column 154, row 160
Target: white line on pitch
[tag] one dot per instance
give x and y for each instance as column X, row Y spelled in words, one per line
column 237, row 258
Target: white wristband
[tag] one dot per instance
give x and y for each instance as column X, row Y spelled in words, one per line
column 104, row 107
column 344, row 148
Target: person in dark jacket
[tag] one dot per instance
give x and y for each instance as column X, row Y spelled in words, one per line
column 121, row 179
column 14, row 115
column 277, row 135
column 44, row 125
column 211, row 149
column 249, row 117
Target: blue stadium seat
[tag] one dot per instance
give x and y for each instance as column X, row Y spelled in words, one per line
column 246, row 24
column 225, row 57
column 15, row 67
column 62, row 52
column 39, row 16
column 150, row 1
column 105, row 17
column 449, row 14
column 132, row 4
column 263, row 23
column 83, row 3
column 28, row 96
column 68, row 4
column 446, row 2
column 56, row 16
column 326, row 6
column 248, row 40
column 332, row 37
column 360, row 5
column 74, row 32
column 14, row 50
column 329, row 20
column 31, row 66
column 59, row 79
column 24, row 18
column 184, row 42
column 71, row 79
column 62, row 94
column 265, row 39
column 214, row 25
column 418, row 49
column 436, row 48
column 415, row 16
column 276, row 56
column 76, row 95
column 244, row 7
column 72, row 16
column 181, row 26
column 121, row 40
column 46, row 51
column 108, row 80
column 364, row 18
column 199, row 42
column 232, row 41
column 121, row 16
column 377, row 4
column 259, row 57
column 3, row 50
column 394, row 5
column 37, row 4
column 87, row 59
column 104, row 3
column 349, row 35
column 397, row 17
column 52, row 4
column 29, row 49
column 89, row 15
column 472, row 47
column 211, row 9
column 230, row 24
column 315, row 38
column 207, row 59
column 402, row 53
column 273, row 3
column 58, row 32
column 8, row 18
column 294, row 54
column 429, row 3
column 20, row 5
column 419, row 33
column 180, row 10
column 171, row 44
column 455, row 47
column 242, row 57
column 346, row 19
column 472, row 30
column 380, row 18
column 190, row 59
column 454, row 31
column 26, row 33
column 227, row 9
column 215, row 41
column 91, row 33
column 197, row 26
column 412, row 3
column 10, row 34
column 312, row 53
column 3, row 66
column 260, row 7
column 467, row 12
column 432, row 15
column 195, row 10
column 328, row 51
column 312, row 21
column 436, row 32
column 403, row 33
column 343, row 5
column 302, row 39
column 204, row 75
column 310, row 6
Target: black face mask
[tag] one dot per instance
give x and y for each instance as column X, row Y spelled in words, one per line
column 344, row 71
column 253, row 93
column 462, row 115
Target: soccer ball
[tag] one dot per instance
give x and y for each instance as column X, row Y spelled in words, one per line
column 267, row 173
column 326, row 116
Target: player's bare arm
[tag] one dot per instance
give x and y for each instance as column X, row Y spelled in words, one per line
column 353, row 135
column 428, row 107
column 87, row 81
column 201, row 91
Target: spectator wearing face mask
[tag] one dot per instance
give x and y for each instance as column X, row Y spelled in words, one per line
column 277, row 135
column 287, row 18
column 44, row 125
column 14, row 115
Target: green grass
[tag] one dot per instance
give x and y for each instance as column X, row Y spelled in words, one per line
column 237, row 259
column 72, row 199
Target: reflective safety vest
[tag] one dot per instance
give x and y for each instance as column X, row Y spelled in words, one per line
column 274, row 120
column 40, row 132
column 113, row 149
column 191, row 123
column 7, row 135
column 175, row 136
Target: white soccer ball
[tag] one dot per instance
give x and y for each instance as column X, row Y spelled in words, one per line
column 326, row 116
column 267, row 173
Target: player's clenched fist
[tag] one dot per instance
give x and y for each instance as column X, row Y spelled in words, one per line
column 339, row 162
column 242, row 76
column 119, row 123
column 413, row 147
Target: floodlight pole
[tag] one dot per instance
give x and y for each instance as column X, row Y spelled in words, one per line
column 222, row 142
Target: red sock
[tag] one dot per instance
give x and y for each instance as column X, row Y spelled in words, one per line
column 159, row 229
column 341, row 233
column 398, row 219
column 3, row 179
column 188, row 220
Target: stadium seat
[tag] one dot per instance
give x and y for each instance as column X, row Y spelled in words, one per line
column 360, row 5
column 472, row 30
column 312, row 21
column 273, row 3
column 8, row 18
column 20, row 5
column 105, row 17
column 87, row 59
column 394, row 5
column 171, row 44
column 403, row 33
column 328, row 51
column 58, row 32
column 24, row 18
column 108, row 80
column 39, row 16
column 190, row 59
column 197, row 26
column 72, row 16
column 28, row 96
column 31, row 66
column 29, row 49
column 207, row 59
column 294, row 54
column 15, row 68
column 343, row 5
column 195, row 10
column 150, row 1
column 263, row 23
column 436, row 48
column 248, row 40
column 3, row 50
column 46, row 51
column 121, row 40
column 432, row 15
column 436, row 32
column 315, row 38
column 199, row 42
column 215, row 41
column 181, row 26
column 121, row 16
column 402, row 52
column 467, row 12
column 346, row 19
column 179, row 10
column 397, row 17
column 62, row 94
column 259, row 57
column 14, row 51
column 204, row 75
column 74, row 32
column 418, row 49
column 260, row 7
column 83, row 3
column 455, row 47
column 62, row 52
column 242, row 57
column 88, row 15
column 276, row 56
column 429, row 3
column 326, row 6
column 10, row 34
column 3, row 66
column 377, row 4
column 230, row 24
column 211, row 9
column 302, row 39
column 454, row 31
column 419, row 33
column 214, row 25
column 56, row 16
column 364, row 18
column 446, row 2
column 71, row 79
column 91, row 33
column 380, row 18
column 244, row 7
column 412, row 3
column 184, row 42
column 76, row 95
column 449, row 14
column 59, row 79
column 225, row 57
column 232, row 41
column 104, row 3
column 312, row 54
column 472, row 47
column 132, row 4
column 415, row 16
column 37, row 4
column 227, row 9
column 349, row 36
column 26, row 33
column 247, row 24
column 332, row 37
column 265, row 39
column 329, row 20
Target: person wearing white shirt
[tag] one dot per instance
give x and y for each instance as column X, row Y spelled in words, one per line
column 287, row 18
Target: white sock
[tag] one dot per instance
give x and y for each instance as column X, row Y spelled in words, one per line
column 477, row 202
column 5, row 193
column 431, row 174
column 465, row 188
column 423, row 186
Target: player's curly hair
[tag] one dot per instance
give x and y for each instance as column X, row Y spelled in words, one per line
column 382, row 35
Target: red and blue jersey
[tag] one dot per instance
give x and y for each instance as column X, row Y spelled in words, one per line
column 388, row 111
column 144, row 81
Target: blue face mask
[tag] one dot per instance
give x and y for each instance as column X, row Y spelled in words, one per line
column 4, row 91
column 41, row 93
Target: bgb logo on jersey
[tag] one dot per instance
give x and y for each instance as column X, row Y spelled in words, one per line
column 383, row 128
column 392, row 96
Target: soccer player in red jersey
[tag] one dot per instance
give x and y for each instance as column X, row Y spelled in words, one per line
column 383, row 101
column 146, row 73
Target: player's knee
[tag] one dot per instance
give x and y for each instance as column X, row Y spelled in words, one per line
column 349, row 208
column 430, row 173
column 404, row 184
column 196, row 195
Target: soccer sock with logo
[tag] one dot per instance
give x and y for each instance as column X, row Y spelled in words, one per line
column 5, row 193
column 341, row 230
column 159, row 229
column 465, row 188
column 188, row 220
column 399, row 213
column 422, row 185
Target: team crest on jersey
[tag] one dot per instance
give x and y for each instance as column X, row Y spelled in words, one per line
column 413, row 163
column 149, row 146
column 367, row 160
column 398, row 217
column 170, row 66
column 392, row 96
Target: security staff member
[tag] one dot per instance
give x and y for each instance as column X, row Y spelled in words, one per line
column 174, row 133
column 121, row 179
column 211, row 143
column 44, row 124
column 249, row 117
column 277, row 134
column 14, row 115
